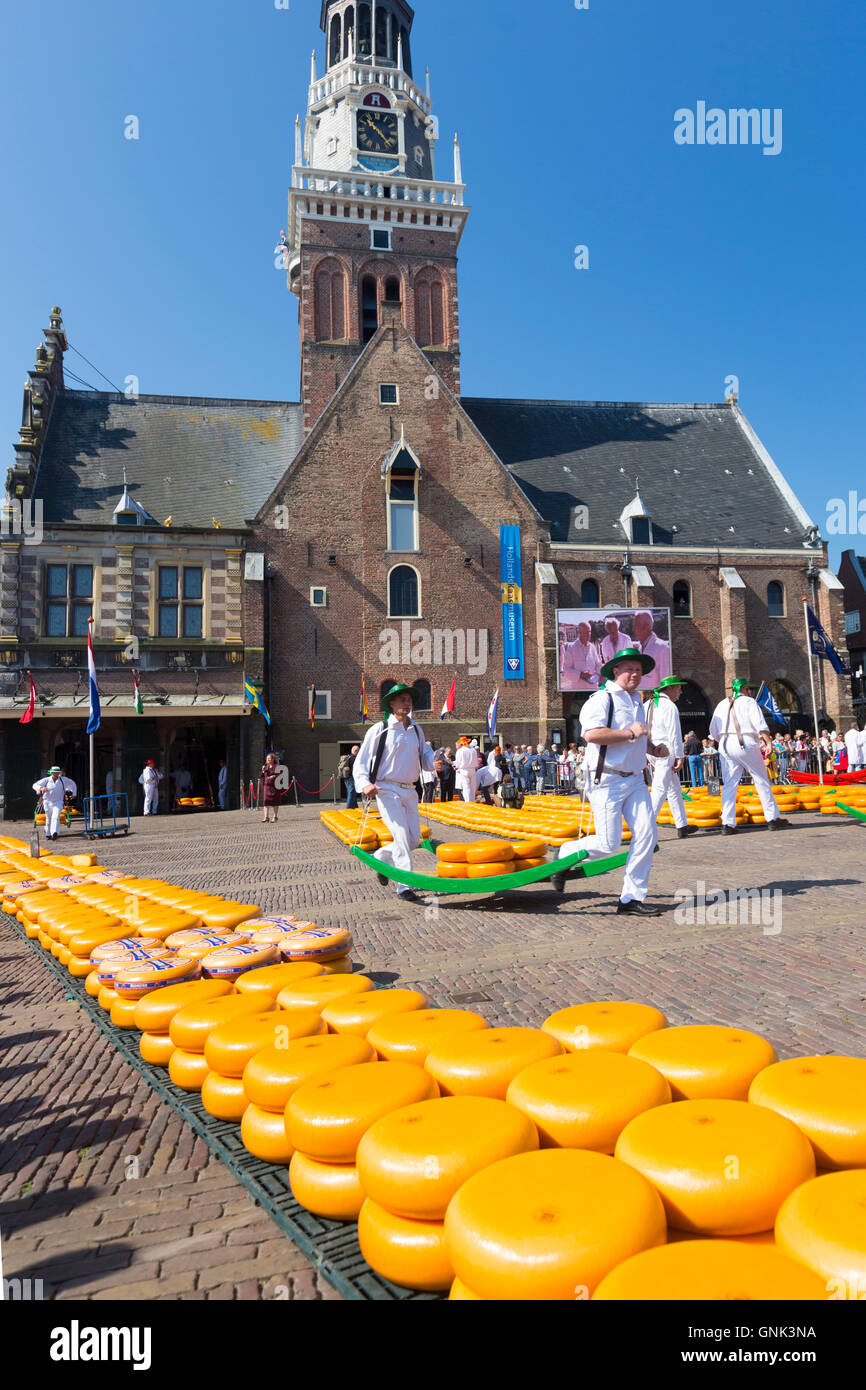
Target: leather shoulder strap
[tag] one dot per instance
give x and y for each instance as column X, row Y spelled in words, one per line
column 379, row 755
column 603, row 755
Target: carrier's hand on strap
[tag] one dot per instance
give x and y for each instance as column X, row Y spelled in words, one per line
column 371, row 790
column 638, row 729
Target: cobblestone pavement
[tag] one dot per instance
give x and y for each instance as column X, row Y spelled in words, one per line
column 74, row 1114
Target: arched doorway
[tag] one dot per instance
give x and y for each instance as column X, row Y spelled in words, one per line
column 789, row 703
column 194, row 756
column 694, row 710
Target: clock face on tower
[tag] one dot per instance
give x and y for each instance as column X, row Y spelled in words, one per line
column 378, row 135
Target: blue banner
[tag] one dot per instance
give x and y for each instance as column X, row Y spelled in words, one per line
column 512, row 603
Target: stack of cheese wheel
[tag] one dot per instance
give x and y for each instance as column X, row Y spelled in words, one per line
column 322, row 990
column 321, row 945
column 529, row 854
column 705, row 1061
column 410, row 1165
column 550, row 1224
column 230, row 962
column 288, row 922
column 326, row 1119
column 722, row 1167
column 273, row 1075
column 195, row 945
column 489, row 859
column 137, row 980
column 451, row 860
column 154, row 1013
column 610, row 1025
column 484, row 1063
column 267, row 981
column 230, row 1046
column 585, row 1099
column 358, row 1013
column 411, row 1037
column 191, row 1026
column 101, row 980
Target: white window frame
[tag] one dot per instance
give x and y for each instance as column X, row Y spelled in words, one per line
column 389, row 385
column 414, row 617
column 380, row 231
column 320, row 695
column 318, row 589
column 784, row 588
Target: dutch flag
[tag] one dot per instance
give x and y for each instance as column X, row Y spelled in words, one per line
column 492, row 713
column 93, row 721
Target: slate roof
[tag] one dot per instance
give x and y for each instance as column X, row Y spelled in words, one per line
column 698, row 470
column 190, row 458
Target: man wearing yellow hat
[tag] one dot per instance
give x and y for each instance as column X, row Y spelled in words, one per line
column 390, row 762
column 618, row 742
column 739, row 728
column 662, row 718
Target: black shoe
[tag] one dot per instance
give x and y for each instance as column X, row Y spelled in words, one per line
column 729, row 830
column 684, row 831
column 411, row 897
column 636, row 909
column 557, row 881
column 383, row 880
column 780, row 824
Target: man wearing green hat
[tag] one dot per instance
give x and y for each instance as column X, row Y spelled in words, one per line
column 618, row 742
column 390, row 762
column 739, row 728
column 54, row 790
column 662, row 718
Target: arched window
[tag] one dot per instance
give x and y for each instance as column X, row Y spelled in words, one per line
column 682, row 599
column 336, row 41
column 424, row 695
column 404, row 593
column 402, row 484
column 369, row 308
column 364, row 30
column 394, row 32
column 382, row 18
column 429, row 310
column 330, row 302
column 348, row 29
column 407, row 56
column 589, row 594
column 775, row 600
column 786, row 698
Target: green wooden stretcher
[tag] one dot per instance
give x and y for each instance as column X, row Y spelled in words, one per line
column 851, row 811
column 502, row 883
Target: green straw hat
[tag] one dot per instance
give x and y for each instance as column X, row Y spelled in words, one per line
column 398, row 690
column 627, row 654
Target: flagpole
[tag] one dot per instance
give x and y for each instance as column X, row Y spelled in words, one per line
column 812, row 684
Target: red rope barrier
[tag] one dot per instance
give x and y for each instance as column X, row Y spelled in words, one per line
column 307, row 790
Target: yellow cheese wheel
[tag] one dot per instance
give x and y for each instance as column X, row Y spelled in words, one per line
column 332, row 1190
column 226, row 915
column 13, row 892
column 187, row 1069
column 316, row 944
column 286, row 921
column 521, row 864
column 452, row 853
column 107, row 998
column 327, row 1116
column 357, row 1013
column 485, row 1063
column 230, row 962
column 83, row 861
column 230, row 1046
column 135, row 981
column 205, row 944
column 63, row 929
column 823, row 1225
column 461, row 1293
column 414, row 1160
column 192, row 1024
column 585, row 1099
column 826, row 1099
column 92, row 985
column 704, row 1061
column 79, row 969
column 343, row 966
column 716, row 1270
column 530, row 849
column 269, row 936
column 110, row 967
column 123, row 1013
column 223, row 1096
column 409, row 1037
column 275, row 1073
column 162, row 923
column 263, row 1134
column 270, row 979
column 412, row 1254
column 118, row 949
column 488, row 852
column 156, row 1048
column 83, row 943
column 154, row 1013
column 318, row 993
column 550, row 1224
column 722, row 1167
column 445, row 869
column 610, row 1025
column 503, row 866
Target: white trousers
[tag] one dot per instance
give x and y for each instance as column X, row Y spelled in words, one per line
column 467, row 785
column 666, row 786
column 736, row 761
column 398, row 807
column 52, row 818
column 151, row 797
column 619, row 797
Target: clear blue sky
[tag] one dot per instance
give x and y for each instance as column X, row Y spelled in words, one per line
column 704, row 261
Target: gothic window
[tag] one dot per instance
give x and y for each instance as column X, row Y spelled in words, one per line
column 682, row 599
column 589, row 595
column 402, row 483
column 407, row 57
column 429, row 311
column 336, row 37
column 404, row 593
column 330, row 302
column 382, row 18
column 348, row 29
column 775, row 600
column 424, row 695
column 369, row 308
column 364, row 30
column 394, row 33
column 392, row 289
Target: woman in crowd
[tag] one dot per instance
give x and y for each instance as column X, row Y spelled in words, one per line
column 270, row 773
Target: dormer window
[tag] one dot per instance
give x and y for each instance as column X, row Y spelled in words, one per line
column 128, row 512
column 402, row 473
column 640, row 530
column 636, row 521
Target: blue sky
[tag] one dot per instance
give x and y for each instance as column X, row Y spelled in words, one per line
column 704, row 261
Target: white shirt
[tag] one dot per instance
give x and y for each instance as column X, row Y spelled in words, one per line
column 609, row 651
column 491, row 764
column 402, row 759
column 660, row 652
column 149, row 776
column 749, row 717
column 627, row 710
column 578, row 657
column 666, row 727
column 54, row 792
column 465, row 760
column 862, row 738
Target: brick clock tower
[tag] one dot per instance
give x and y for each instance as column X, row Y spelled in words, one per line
column 372, row 234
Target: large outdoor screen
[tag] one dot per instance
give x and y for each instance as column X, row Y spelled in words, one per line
column 589, row 637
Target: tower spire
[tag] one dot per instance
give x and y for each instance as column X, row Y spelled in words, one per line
column 298, row 146
column 458, row 163
column 313, row 68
